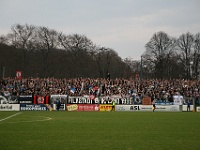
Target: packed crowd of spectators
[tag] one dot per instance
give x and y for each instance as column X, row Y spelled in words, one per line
column 154, row 88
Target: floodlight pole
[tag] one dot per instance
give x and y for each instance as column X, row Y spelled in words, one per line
column 3, row 72
column 141, row 68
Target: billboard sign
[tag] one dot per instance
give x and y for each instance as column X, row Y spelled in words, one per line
column 32, row 107
column 146, row 108
column 9, row 107
column 82, row 107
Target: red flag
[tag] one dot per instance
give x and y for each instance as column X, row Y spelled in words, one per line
column 18, row 75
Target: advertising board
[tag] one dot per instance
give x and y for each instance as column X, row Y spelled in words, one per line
column 198, row 109
column 105, row 107
column 160, row 108
column 127, row 107
column 62, row 107
column 72, row 107
column 88, row 107
column 146, row 108
column 34, row 107
column 9, row 107
column 184, row 107
column 82, row 107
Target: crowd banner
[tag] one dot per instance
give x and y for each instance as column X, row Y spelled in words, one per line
column 62, row 98
column 137, row 100
column 121, row 100
column 146, row 101
column 8, row 99
column 178, row 99
column 40, row 100
column 82, row 107
column 47, row 99
column 34, row 107
column 147, row 108
column 88, row 99
column 25, row 99
column 124, row 100
column 82, row 100
column 37, row 99
column 9, row 107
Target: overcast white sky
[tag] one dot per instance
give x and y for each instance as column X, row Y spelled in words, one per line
column 123, row 25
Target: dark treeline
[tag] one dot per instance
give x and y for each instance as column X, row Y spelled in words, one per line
column 168, row 57
column 43, row 52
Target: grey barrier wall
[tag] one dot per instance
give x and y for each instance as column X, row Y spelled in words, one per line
column 174, row 108
column 119, row 107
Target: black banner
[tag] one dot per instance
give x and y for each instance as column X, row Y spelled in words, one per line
column 25, row 99
column 100, row 100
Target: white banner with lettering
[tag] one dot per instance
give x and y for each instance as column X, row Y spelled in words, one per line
column 178, row 99
column 9, row 107
column 146, row 108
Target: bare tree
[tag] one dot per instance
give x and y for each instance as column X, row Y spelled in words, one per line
column 47, row 41
column 21, row 37
column 79, row 51
column 108, row 61
column 158, row 50
column 184, row 44
column 103, row 60
column 196, row 64
column 134, row 65
column 4, row 40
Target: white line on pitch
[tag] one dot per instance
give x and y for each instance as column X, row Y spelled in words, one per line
column 46, row 119
column 10, row 116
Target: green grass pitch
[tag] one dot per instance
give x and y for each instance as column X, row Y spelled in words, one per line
column 63, row 130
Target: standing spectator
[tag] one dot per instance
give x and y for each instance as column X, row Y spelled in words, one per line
column 58, row 104
column 198, row 100
column 113, row 105
column 154, row 107
column 188, row 105
column 108, row 76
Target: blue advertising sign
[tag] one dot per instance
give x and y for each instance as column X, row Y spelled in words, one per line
column 32, row 107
